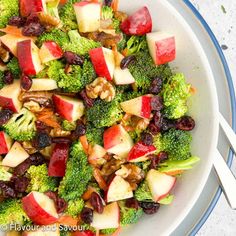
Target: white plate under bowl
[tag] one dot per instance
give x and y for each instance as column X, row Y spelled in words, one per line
column 192, row 61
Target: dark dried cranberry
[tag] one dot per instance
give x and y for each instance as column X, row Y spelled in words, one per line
column 6, row 190
column 37, row 159
column 153, row 128
column 25, row 82
column 79, row 131
column 33, row 18
column 52, row 195
column 20, row 183
column 156, row 86
column 126, row 61
column 156, row 124
column 108, row 2
column 147, row 138
column 162, row 156
column 61, row 140
column 41, row 126
column 5, row 116
column 167, row 124
column 73, row 58
column 156, row 103
column 186, row 123
column 150, row 207
column 22, row 168
column 96, row 202
column 33, row 29
column 17, row 21
column 154, row 161
column 8, row 77
column 132, row 203
column 41, row 140
column 61, row 205
column 87, row 215
column 89, row 102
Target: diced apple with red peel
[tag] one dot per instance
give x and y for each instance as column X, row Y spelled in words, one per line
column 28, row 56
column 118, row 189
column 140, row 152
column 28, row 7
column 15, row 156
column 140, row 106
column 96, row 155
column 5, row 143
column 68, row 108
column 83, row 233
column 50, row 51
column 57, row 164
column 162, row 47
column 110, row 218
column 43, row 85
column 9, row 96
column 88, row 16
column 103, row 60
column 51, row 230
column 160, row 184
column 124, row 76
column 117, row 141
column 40, row 208
column 139, row 23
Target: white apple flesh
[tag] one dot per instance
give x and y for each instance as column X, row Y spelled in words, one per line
column 43, row 85
column 96, row 155
column 5, row 143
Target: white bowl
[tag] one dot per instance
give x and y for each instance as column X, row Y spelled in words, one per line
column 192, row 61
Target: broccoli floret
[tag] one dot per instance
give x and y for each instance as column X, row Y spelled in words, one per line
column 68, row 126
column 129, row 215
column 1, row 79
column 94, row 135
column 144, row 165
column 136, row 44
column 11, row 211
column 53, row 68
column 39, row 179
column 13, row 66
column 167, row 200
column 4, row 174
column 122, row 44
column 21, row 126
column 79, row 44
column 175, row 142
column 78, row 174
column 108, row 231
column 175, row 94
column 56, row 35
column 8, row 8
column 104, row 114
column 143, row 193
column 75, row 207
column 64, row 231
column 88, row 73
column 107, row 13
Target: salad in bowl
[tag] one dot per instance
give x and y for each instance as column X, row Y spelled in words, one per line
column 94, row 131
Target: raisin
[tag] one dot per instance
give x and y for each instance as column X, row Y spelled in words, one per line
column 41, row 126
column 41, row 140
column 153, row 128
column 79, row 131
column 108, row 2
column 126, row 61
column 185, row 123
column 132, row 203
column 156, row 86
column 96, row 202
column 150, row 208
column 37, row 159
column 87, row 215
column 22, row 168
column 61, row 205
column 162, row 156
column 156, row 103
column 17, row 21
column 8, row 77
column 25, row 82
column 33, row 29
column 5, row 116
column 147, row 138
column 61, row 140
column 89, row 102
column 20, row 183
column 33, row 18
column 73, row 58
column 6, row 190
column 167, row 124
column 154, row 161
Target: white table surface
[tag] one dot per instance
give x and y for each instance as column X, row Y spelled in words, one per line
column 222, row 221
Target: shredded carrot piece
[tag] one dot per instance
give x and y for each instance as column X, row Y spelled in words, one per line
column 125, row 52
column 84, row 143
column 176, row 172
column 100, row 180
column 86, row 196
column 63, row 1
column 67, row 220
column 193, row 90
column 115, row 5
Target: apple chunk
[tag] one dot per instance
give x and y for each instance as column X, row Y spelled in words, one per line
column 160, row 184
column 43, row 85
column 28, row 7
column 96, row 155
column 118, row 189
column 103, row 60
column 161, row 47
column 139, row 23
column 140, row 106
column 15, row 156
column 110, row 218
column 5, row 143
column 68, row 108
column 88, row 16
column 117, row 141
column 40, row 208
column 28, row 56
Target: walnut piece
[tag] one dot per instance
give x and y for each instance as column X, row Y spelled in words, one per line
column 48, row 21
column 121, row 16
column 100, row 87
column 58, row 132
column 28, row 147
column 111, row 167
column 33, row 106
column 4, row 54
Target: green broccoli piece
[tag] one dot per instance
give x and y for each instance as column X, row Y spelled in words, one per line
column 79, row 44
column 108, row 231
column 136, row 44
column 88, row 73
column 143, row 193
column 13, row 66
column 21, row 126
column 68, row 126
column 94, row 135
column 104, row 114
column 8, row 8
column 52, row 8
column 64, row 231
column 78, row 174
column 1, row 79
column 11, row 211
column 122, row 44
column 144, row 165
column 107, row 13
column 39, row 179
column 75, row 207
column 53, row 68
column 167, row 200
column 56, row 35
column 176, row 143
column 4, row 174
column 175, row 94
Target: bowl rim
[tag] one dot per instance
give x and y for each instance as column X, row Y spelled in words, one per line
column 214, row 40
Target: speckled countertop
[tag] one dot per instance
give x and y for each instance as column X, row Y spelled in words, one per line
column 221, row 16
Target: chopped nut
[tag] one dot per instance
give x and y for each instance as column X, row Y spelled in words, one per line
column 47, row 151
column 58, row 132
column 4, row 54
column 124, row 172
column 111, row 167
column 33, row 106
column 142, row 124
column 100, row 87
column 48, row 20
column 121, row 16
column 29, row 148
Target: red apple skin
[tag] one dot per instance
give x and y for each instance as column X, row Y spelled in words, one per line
column 109, row 135
column 81, row 4
column 83, row 233
column 139, row 150
column 138, row 23
column 146, row 107
column 54, row 49
column 165, row 195
column 37, row 214
column 7, row 103
column 3, row 144
column 99, row 63
column 28, row 7
column 57, row 164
